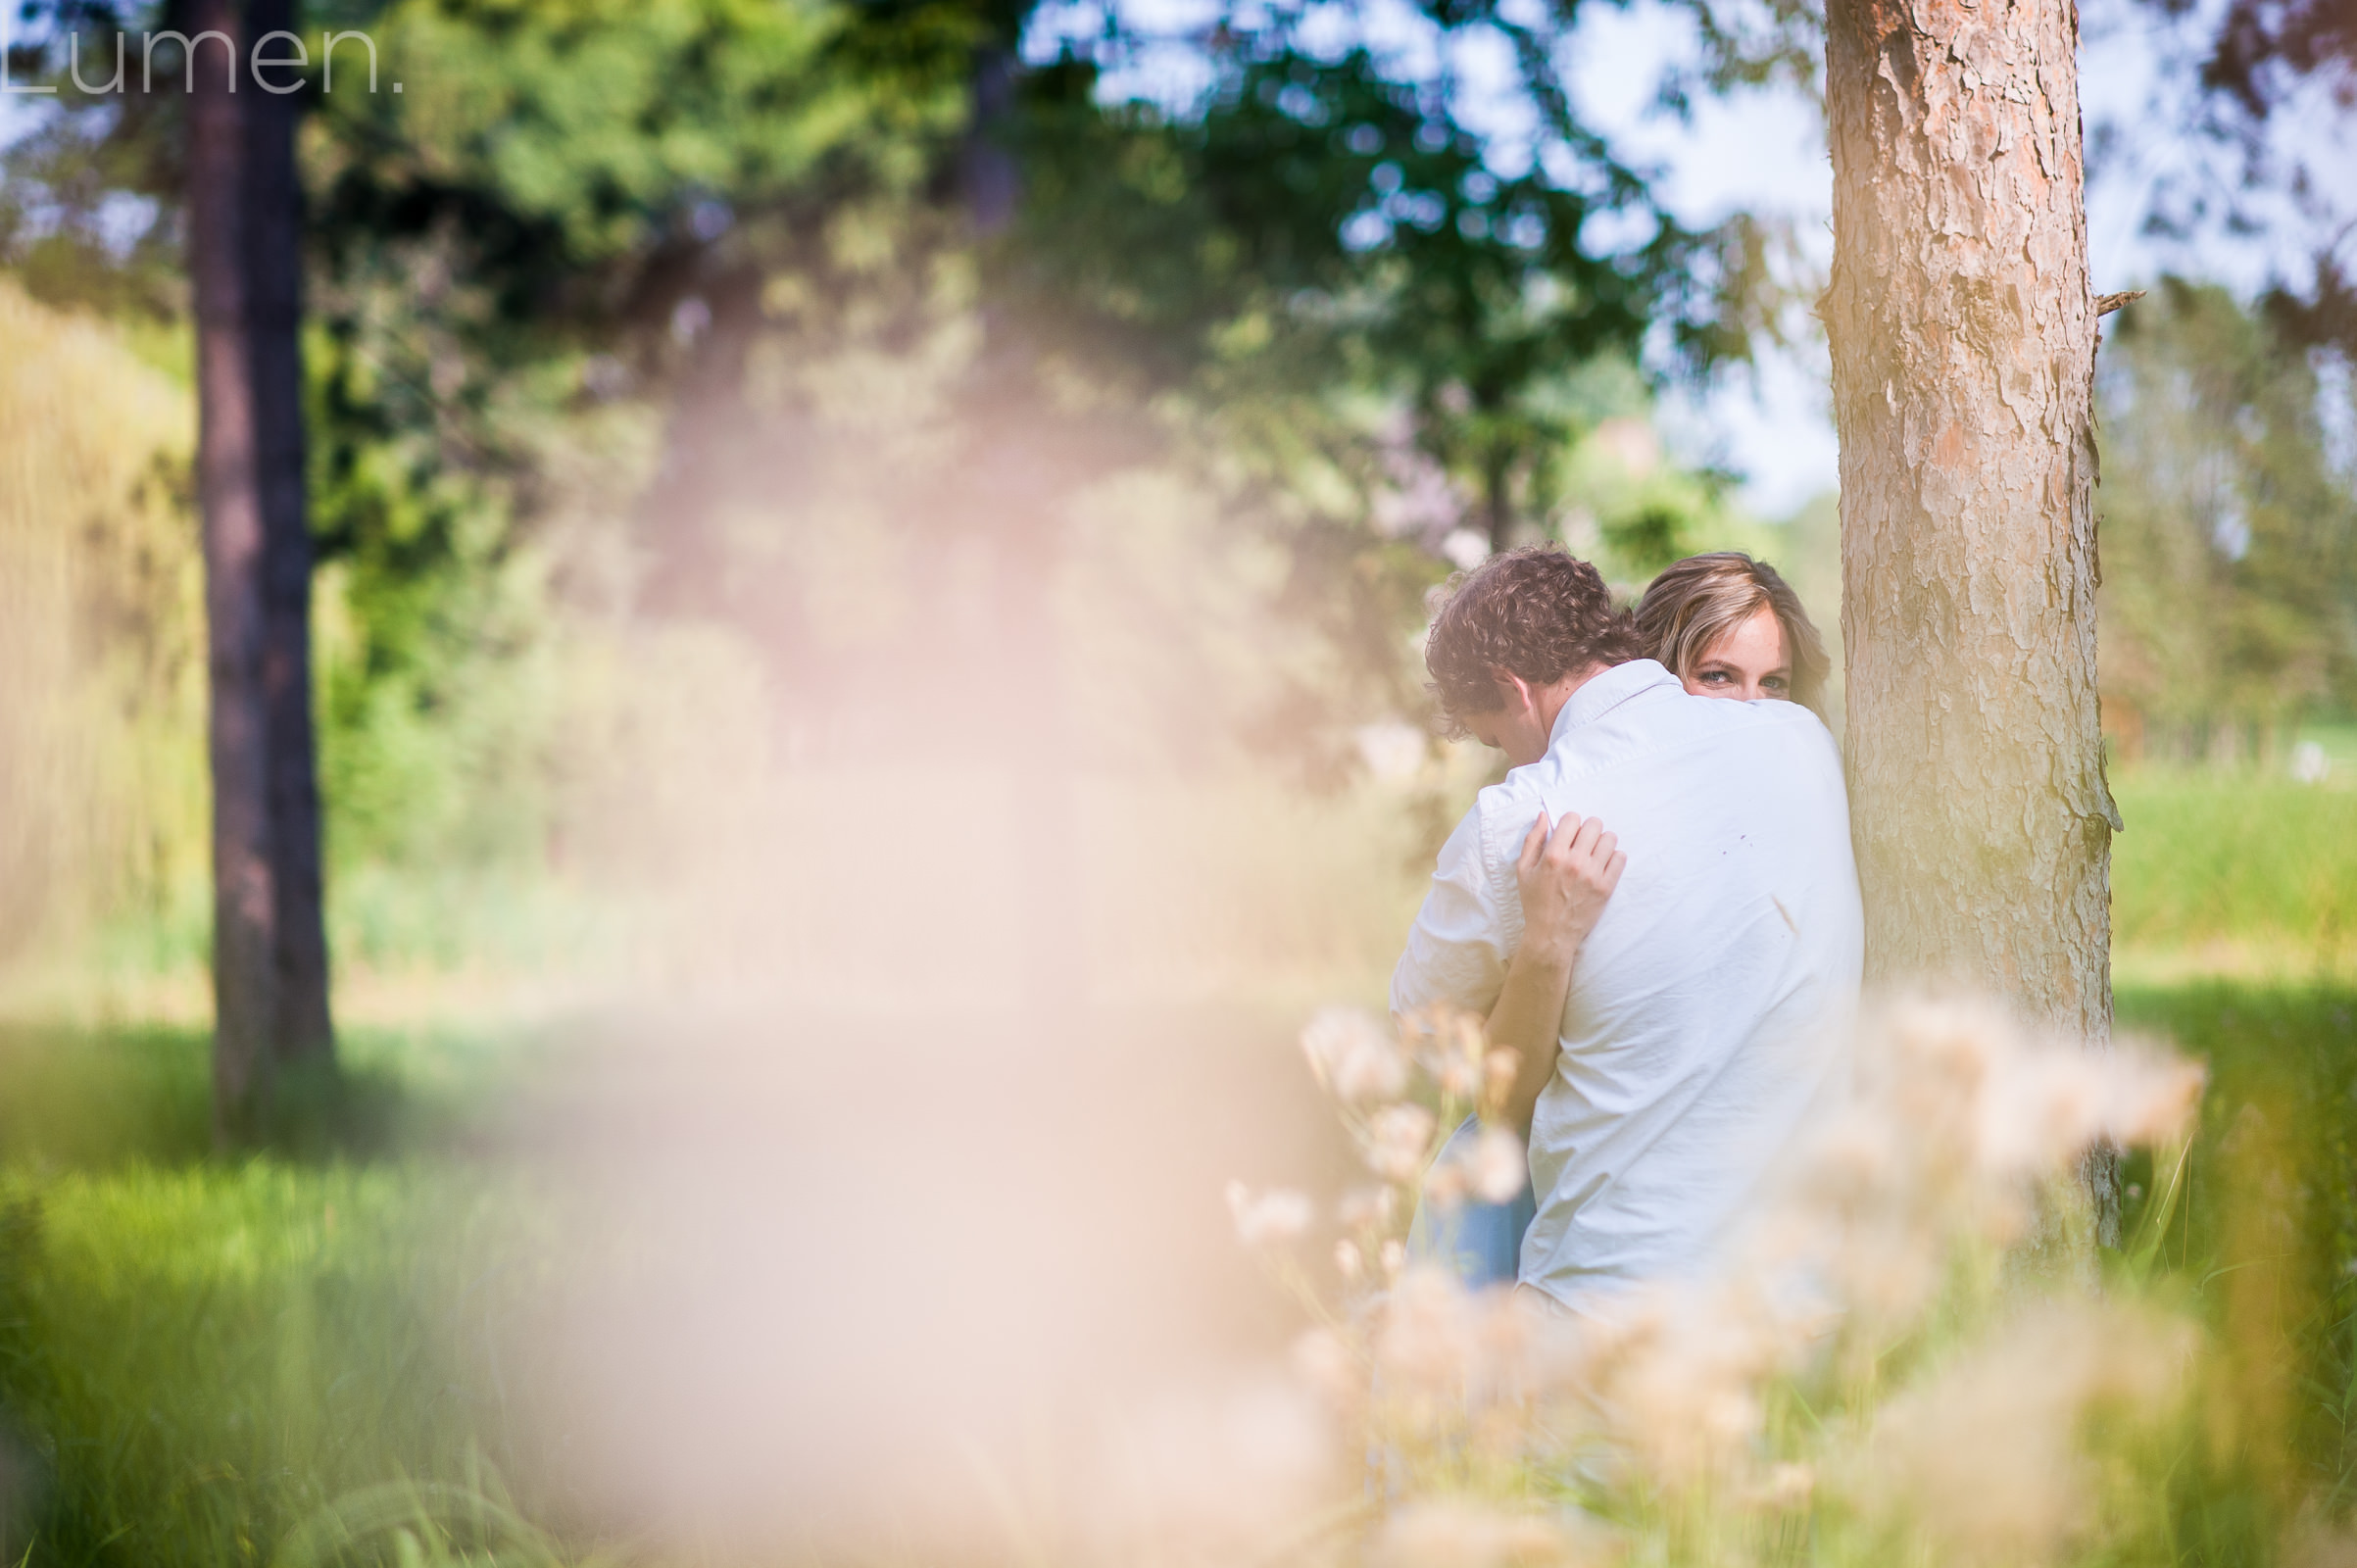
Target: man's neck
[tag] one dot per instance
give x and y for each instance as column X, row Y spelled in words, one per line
column 1556, row 694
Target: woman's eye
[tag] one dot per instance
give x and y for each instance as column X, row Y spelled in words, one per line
column 1713, row 677
column 1774, row 683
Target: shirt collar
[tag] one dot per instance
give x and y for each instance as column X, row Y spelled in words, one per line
column 1604, row 693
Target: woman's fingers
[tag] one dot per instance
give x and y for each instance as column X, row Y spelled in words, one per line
column 1534, row 843
column 1578, row 847
column 1565, row 844
column 1567, row 828
column 1584, row 840
column 1578, row 851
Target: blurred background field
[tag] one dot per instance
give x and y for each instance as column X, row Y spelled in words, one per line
column 723, row 735
column 199, row 1355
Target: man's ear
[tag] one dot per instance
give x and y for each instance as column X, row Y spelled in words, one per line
column 1512, row 690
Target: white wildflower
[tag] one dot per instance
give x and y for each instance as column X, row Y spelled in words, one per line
column 1501, row 1165
column 1355, row 1059
column 1367, row 1209
column 1276, row 1215
column 1399, row 1141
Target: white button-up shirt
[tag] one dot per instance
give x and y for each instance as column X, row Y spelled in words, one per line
column 1710, row 1005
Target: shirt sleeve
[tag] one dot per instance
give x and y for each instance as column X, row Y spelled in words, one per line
column 1458, row 950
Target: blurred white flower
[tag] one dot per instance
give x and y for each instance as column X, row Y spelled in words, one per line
column 1365, row 1209
column 1958, row 1125
column 1399, row 1141
column 1327, row 1364
column 1986, row 1457
column 1501, row 1165
column 1353, row 1057
column 2154, row 1095
column 1446, row 1185
column 1786, row 1486
column 1458, row 1043
column 1498, row 1068
column 1276, row 1215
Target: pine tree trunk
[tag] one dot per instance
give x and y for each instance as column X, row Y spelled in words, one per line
column 273, row 249
column 1498, row 501
column 1963, row 337
column 245, row 985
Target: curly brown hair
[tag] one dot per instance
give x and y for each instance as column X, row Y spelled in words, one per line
column 1536, row 613
column 1699, row 600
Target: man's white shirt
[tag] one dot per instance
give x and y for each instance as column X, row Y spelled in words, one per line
column 1710, row 1005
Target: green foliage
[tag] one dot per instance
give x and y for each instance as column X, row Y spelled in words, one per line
column 551, row 182
column 574, row 152
column 2230, row 543
column 1318, row 223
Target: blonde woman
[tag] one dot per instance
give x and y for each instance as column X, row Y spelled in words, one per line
column 1727, row 626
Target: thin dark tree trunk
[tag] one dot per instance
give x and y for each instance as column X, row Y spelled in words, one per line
column 274, row 247
column 1497, row 500
column 993, row 181
column 245, row 985
column 1963, row 337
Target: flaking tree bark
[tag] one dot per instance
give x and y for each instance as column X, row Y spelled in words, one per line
column 1963, row 340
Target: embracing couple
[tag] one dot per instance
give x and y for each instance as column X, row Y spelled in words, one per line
column 1658, row 908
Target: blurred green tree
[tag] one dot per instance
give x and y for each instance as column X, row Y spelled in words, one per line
column 1318, row 223
column 2230, row 540
column 567, row 261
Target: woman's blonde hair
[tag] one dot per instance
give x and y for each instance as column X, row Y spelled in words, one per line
column 1692, row 604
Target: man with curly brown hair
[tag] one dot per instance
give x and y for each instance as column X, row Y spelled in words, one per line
column 1715, row 927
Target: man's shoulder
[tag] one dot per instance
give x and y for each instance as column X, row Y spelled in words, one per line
column 1685, row 721
column 1662, row 752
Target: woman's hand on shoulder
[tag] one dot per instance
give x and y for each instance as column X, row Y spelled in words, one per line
column 1568, row 871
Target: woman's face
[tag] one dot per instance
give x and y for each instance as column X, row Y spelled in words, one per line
column 1746, row 663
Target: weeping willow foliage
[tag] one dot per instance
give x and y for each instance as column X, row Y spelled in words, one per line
column 102, row 763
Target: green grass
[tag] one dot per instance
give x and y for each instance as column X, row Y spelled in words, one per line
column 2236, row 858
column 2266, row 1239
column 199, row 1355
column 202, row 1358
column 2338, row 738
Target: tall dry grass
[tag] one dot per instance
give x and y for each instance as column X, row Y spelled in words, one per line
column 1906, row 1352
column 102, row 794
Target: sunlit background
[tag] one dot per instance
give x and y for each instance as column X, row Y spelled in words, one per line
column 867, row 631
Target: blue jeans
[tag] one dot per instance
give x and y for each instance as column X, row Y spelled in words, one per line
column 1479, row 1242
